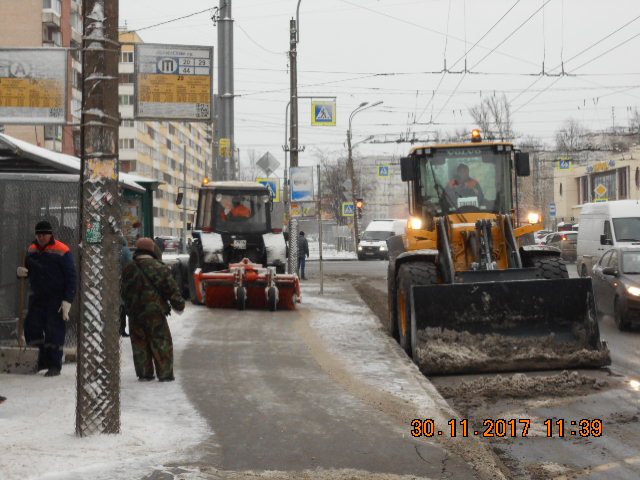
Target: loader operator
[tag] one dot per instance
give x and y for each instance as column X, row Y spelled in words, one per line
column 238, row 210
column 461, row 186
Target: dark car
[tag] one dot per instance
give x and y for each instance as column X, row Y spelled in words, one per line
column 616, row 285
column 567, row 242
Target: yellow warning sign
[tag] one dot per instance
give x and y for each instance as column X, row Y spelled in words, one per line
column 225, row 147
column 31, row 92
column 158, row 88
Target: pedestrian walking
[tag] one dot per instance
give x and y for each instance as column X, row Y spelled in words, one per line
column 303, row 254
column 149, row 292
column 52, row 276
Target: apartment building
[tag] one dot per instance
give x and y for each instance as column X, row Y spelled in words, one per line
column 161, row 150
column 48, row 23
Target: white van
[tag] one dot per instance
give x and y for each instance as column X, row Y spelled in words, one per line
column 604, row 225
column 373, row 241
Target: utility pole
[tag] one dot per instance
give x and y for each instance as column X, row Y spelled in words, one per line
column 98, row 375
column 184, row 199
column 225, row 95
column 293, row 67
column 351, row 170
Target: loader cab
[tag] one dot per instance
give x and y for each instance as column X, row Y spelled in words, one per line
column 234, row 209
column 462, row 178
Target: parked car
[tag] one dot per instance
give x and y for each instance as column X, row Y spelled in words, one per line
column 539, row 236
column 604, row 225
column 171, row 244
column 565, row 241
column 616, row 285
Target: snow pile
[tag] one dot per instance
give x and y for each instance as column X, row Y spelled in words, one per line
column 329, row 252
column 38, row 423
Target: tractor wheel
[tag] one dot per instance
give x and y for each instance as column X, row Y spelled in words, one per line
column 272, row 298
column 549, row 267
column 410, row 274
column 194, row 262
column 241, row 298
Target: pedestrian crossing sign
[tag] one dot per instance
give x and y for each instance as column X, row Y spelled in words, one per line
column 273, row 184
column 323, row 113
column 564, row 163
column 348, row 209
column 383, row 170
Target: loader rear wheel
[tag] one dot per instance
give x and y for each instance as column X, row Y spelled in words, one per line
column 548, row 267
column 194, row 262
column 410, row 274
column 241, row 298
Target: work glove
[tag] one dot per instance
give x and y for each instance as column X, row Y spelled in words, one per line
column 22, row 272
column 64, row 308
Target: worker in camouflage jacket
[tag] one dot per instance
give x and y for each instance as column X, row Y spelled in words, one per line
column 147, row 289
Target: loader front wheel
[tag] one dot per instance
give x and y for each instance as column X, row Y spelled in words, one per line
column 549, row 267
column 410, row 274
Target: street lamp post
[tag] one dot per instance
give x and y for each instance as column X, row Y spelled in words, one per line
column 358, row 109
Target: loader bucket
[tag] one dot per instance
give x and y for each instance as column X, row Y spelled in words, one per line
column 506, row 326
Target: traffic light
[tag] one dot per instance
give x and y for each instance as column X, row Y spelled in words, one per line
column 359, row 205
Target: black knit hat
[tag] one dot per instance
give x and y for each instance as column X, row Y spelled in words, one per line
column 43, row 227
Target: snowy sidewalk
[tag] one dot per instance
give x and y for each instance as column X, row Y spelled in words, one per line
column 37, row 422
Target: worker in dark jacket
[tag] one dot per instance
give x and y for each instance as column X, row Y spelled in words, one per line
column 147, row 289
column 303, row 254
column 52, row 276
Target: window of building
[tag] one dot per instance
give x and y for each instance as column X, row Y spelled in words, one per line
column 52, row 35
column 126, row 78
column 606, row 180
column 52, row 5
column 76, row 21
column 585, row 191
column 623, row 183
column 126, row 99
column 53, row 132
column 128, row 123
column 127, row 143
column 126, row 57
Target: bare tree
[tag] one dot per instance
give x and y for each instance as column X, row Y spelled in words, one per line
column 493, row 117
column 571, row 136
column 634, row 122
column 249, row 171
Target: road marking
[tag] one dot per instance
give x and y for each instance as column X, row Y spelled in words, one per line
column 599, row 468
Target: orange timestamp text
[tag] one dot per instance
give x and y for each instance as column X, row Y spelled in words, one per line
column 500, row 427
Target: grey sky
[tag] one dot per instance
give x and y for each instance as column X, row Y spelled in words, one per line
column 370, row 50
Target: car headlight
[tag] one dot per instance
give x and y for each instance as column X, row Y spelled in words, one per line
column 359, row 247
column 383, row 248
column 635, row 291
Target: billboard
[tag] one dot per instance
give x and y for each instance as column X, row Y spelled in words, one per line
column 173, row 82
column 33, row 86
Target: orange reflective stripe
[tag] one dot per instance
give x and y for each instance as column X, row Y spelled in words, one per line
column 57, row 248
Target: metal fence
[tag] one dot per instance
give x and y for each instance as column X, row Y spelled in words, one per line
column 25, row 199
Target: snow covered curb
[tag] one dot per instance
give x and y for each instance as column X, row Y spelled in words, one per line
column 158, row 424
column 351, row 330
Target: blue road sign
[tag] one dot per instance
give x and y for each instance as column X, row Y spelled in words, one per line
column 564, row 164
column 273, row 184
column 348, row 210
column 383, row 171
column 552, row 209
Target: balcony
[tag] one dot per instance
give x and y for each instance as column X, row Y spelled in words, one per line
column 50, row 18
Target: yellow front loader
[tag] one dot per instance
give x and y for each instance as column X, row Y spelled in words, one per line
column 467, row 294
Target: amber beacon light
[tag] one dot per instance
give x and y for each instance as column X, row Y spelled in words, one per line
column 475, row 135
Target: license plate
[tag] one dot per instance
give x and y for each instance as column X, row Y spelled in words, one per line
column 240, row 244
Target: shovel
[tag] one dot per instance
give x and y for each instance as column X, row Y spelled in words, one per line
column 20, row 359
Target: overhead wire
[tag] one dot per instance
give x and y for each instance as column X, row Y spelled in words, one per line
column 210, row 9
